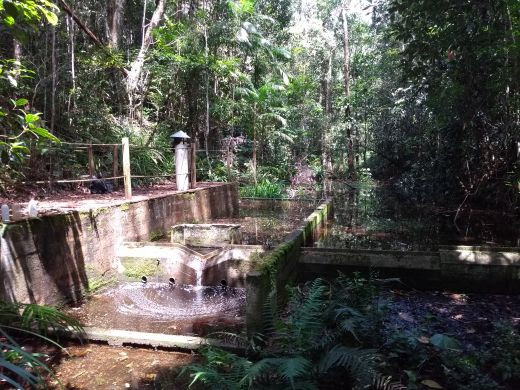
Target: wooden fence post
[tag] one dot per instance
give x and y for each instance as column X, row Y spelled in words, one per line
column 126, row 168
column 115, row 164
column 193, row 165
column 91, row 166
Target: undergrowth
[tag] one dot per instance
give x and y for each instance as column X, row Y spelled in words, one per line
column 264, row 189
column 336, row 335
column 19, row 368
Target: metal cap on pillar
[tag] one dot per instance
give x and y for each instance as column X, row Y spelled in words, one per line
column 182, row 166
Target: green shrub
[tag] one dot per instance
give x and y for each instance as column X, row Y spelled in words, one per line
column 264, row 189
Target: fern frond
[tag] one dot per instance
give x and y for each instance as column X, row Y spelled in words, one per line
column 359, row 362
column 383, row 382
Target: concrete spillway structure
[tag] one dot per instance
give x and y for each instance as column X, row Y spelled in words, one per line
column 54, row 258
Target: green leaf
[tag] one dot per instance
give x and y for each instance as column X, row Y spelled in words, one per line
column 445, row 342
column 51, row 17
column 45, row 134
column 31, row 118
column 21, row 102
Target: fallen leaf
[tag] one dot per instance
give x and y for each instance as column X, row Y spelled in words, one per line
column 431, row 384
column 406, row 317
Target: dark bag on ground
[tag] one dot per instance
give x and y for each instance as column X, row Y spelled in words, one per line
column 100, row 186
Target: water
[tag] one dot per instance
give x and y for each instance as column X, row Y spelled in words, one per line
column 162, row 308
column 269, row 222
column 372, row 216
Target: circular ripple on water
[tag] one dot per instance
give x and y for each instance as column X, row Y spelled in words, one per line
column 161, row 301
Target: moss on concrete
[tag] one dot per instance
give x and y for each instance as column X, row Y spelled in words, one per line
column 156, row 235
column 136, row 269
column 187, row 196
column 95, row 284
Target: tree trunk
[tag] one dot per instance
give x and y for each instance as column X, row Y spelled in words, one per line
column 113, row 21
column 54, row 76
column 351, row 161
column 326, row 82
column 136, row 68
column 70, row 31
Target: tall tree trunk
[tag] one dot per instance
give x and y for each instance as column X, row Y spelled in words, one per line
column 326, row 82
column 136, row 68
column 113, row 21
column 206, row 56
column 351, row 161
column 70, row 31
column 54, row 77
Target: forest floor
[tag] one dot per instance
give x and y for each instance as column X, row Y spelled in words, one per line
column 470, row 318
column 80, row 199
column 97, row 366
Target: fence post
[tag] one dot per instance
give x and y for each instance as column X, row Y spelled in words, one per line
column 91, row 167
column 115, row 164
column 126, row 168
column 193, row 165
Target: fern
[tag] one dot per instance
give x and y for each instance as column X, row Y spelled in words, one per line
column 383, row 382
column 358, row 362
column 18, row 367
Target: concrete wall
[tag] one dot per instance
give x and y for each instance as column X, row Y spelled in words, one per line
column 161, row 261
column 464, row 268
column 279, row 268
column 50, row 259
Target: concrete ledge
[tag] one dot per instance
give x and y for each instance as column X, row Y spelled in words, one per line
column 372, row 258
column 117, row 337
column 279, row 268
column 465, row 268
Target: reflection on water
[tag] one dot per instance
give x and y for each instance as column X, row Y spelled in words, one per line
column 163, row 308
column 374, row 217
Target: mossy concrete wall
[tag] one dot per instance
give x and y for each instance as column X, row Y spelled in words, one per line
column 161, row 261
column 464, row 268
column 279, row 269
column 50, row 259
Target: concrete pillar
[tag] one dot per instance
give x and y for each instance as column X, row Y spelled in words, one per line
column 182, row 168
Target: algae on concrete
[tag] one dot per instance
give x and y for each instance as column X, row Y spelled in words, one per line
column 138, row 269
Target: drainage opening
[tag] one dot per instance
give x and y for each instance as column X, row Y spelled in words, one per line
column 223, row 283
column 144, row 279
column 171, row 281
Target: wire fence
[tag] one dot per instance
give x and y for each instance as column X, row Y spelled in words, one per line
column 120, row 161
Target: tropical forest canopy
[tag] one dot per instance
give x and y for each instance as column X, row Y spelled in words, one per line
column 423, row 94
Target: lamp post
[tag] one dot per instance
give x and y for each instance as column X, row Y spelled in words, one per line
column 182, row 166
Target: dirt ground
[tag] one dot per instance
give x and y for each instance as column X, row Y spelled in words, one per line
column 80, row 199
column 102, row 367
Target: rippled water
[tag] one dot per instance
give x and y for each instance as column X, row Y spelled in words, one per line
column 160, row 301
column 162, row 308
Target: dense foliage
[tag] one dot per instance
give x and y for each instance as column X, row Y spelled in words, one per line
column 340, row 335
column 426, row 94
